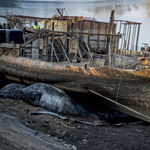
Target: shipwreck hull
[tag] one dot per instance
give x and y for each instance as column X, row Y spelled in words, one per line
column 38, row 71
column 129, row 88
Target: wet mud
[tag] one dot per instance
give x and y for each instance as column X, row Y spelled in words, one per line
column 68, row 132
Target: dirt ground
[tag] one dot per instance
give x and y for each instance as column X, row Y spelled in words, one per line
column 21, row 130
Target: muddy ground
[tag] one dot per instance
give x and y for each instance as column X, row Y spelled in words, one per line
column 19, row 130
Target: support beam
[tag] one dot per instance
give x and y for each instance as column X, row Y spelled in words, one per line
column 79, row 50
column 137, row 40
column 63, row 50
column 52, row 48
column 56, row 55
column 122, row 108
column 89, row 50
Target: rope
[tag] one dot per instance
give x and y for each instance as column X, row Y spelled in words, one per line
column 119, row 86
column 121, row 79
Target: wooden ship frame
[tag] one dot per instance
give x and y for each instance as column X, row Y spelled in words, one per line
column 77, row 55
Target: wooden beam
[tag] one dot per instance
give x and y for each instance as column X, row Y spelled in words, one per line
column 60, row 12
column 137, row 36
column 30, row 40
column 63, row 50
column 89, row 50
column 56, row 55
column 65, row 32
column 99, row 25
column 79, row 50
column 122, row 108
column 52, row 48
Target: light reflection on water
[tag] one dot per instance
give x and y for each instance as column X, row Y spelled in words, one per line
column 132, row 10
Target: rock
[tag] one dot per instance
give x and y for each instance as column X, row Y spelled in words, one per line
column 85, row 141
column 78, row 127
column 138, row 131
column 73, row 147
column 59, row 131
column 97, row 122
column 93, row 116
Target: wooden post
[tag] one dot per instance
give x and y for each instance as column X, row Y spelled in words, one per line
column 129, row 37
column 111, row 23
column 123, row 37
column 52, row 48
column 98, row 36
column 89, row 50
column 124, row 54
column 52, row 42
column 133, row 30
column 137, row 36
column 63, row 50
column 89, row 32
column 56, row 55
column 79, row 51
column 109, row 53
column 47, row 46
column 133, row 38
column 110, row 31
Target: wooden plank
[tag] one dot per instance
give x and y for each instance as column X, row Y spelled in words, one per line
column 52, row 48
column 68, row 32
column 89, row 33
column 30, row 30
column 79, row 50
column 137, row 36
column 89, row 50
column 63, row 50
column 122, row 108
column 60, row 12
column 98, row 35
column 30, row 40
column 56, row 55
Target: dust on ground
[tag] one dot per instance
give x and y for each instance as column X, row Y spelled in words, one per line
column 51, row 132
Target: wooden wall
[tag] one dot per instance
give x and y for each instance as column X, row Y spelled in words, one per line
column 95, row 42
